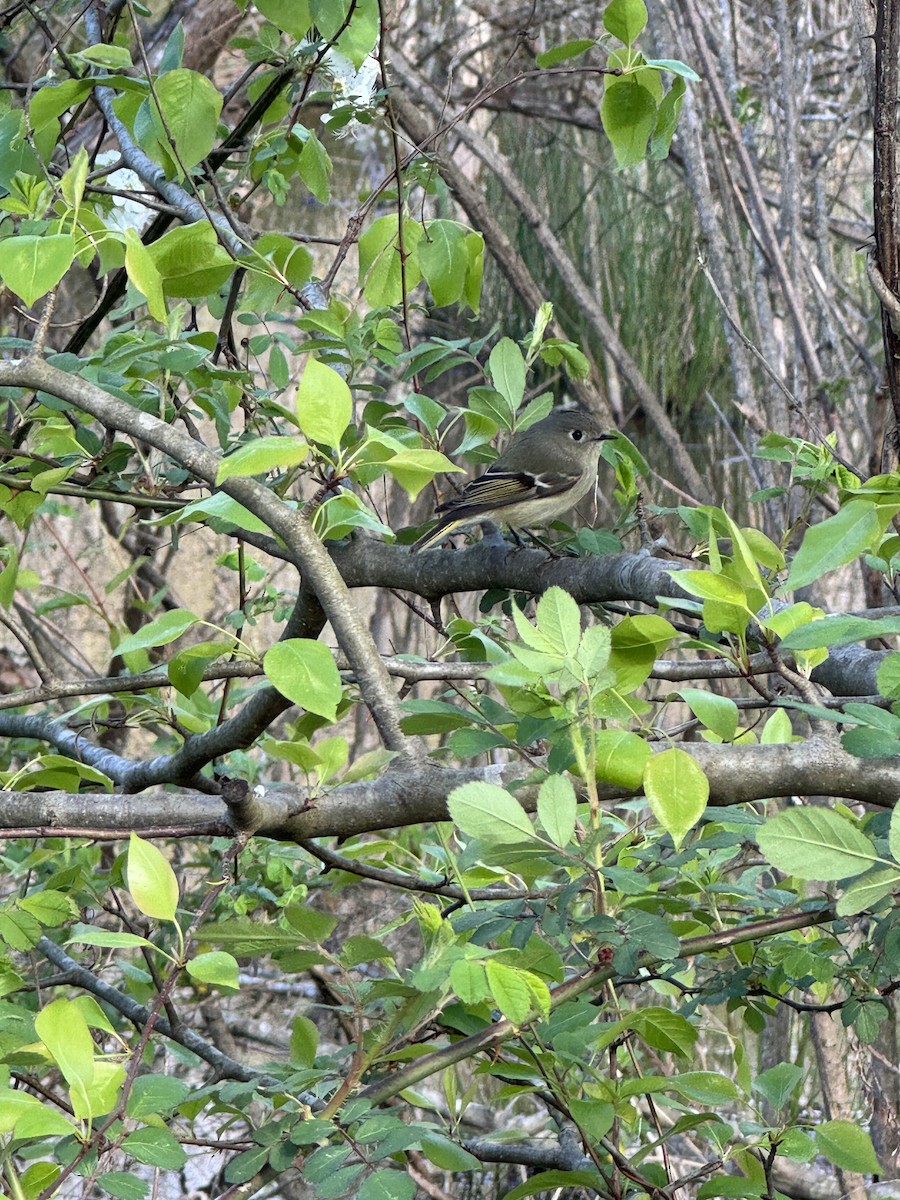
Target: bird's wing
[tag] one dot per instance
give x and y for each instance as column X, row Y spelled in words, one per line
column 495, row 489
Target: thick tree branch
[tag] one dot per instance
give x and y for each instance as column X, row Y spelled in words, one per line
column 737, row 775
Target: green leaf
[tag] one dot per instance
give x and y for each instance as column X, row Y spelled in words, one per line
column 778, row 1084
column 506, row 366
column 469, row 980
column 888, row 676
column 709, row 585
column 9, row 577
column 380, row 270
column 215, row 967
column 815, row 843
column 155, row 1147
column 444, row 261
column 841, row 631
column 304, row 1041
column 557, row 808
column 186, row 669
column 415, row 469
column 675, row 66
column 518, row 994
column 243, row 1167
column 677, row 792
column 305, row 672
column 151, row 881
column 324, row 404
column 663, row 1030
column 718, row 713
column 621, row 757
column 357, row 36
column 32, row 266
column 867, row 890
column 73, row 181
column 158, row 1094
column 558, row 617
column 219, row 508
column 706, row 1087
column 637, row 642
column 190, row 260
column 625, row 19
column 386, row 1183
column 667, row 120
column 847, row 1146
column 777, row 730
column 474, row 270
column 164, row 629
column 290, row 15
column 563, row 52
column 53, row 100
column 262, row 455
column 114, row 58
column 190, row 106
column 446, row 1154
column 315, row 167
column 123, row 1185
column 51, row 908
column 65, row 1033
column 628, row 113
column 834, row 542
column 143, row 272
column 29, row 1117
column 361, row 948
column 546, row 1183
column 486, row 811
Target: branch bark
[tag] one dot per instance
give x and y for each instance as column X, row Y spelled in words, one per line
column 736, row 774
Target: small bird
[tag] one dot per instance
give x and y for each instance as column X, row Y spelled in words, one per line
column 543, row 473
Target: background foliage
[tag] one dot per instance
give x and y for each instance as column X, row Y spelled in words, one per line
column 332, row 870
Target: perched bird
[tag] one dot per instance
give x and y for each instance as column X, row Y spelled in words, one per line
column 543, row 473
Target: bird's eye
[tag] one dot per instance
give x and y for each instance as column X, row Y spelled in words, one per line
column 576, row 435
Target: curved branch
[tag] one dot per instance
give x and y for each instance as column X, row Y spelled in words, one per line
column 307, row 552
column 139, row 1015
column 504, row 1029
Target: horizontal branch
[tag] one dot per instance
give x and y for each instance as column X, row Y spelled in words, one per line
column 593, row 579
column 737, row 774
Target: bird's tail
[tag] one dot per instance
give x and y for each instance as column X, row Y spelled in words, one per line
column 444, row 527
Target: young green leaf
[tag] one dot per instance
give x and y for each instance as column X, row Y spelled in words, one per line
column 215, row 967
column 324, row 404
column 31, row 266
column 556, row 808
column 151, row 881
column 625, row 19
column 677, row 792
column 305, row 672
column 262, row 455
column 816, row 843
column 489, row 812
column 833, row 542
column 160, row 632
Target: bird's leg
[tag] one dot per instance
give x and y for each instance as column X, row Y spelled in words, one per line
column 491, row 534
